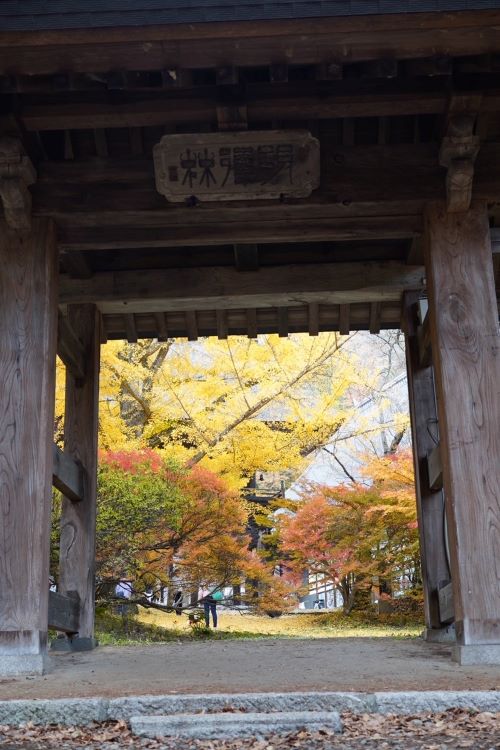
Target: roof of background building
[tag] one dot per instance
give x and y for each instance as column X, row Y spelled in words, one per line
column 38, row 15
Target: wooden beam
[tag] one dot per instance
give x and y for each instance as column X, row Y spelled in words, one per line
column 465, row 345
column 256, row 43
column 283, row 322
column 374, row 317
column 120, row 236
column 313, row 318
column 131, row 328
column 161, row 325
column 435, row 468
column 252, row 323
column 122, row 191
column 64, row 612
column 222, row 328
column 209, row 288
column 103, row 334
column 430, row 501
column 77, row 541
column 344, row 315
column 28, row 334
column 191, row 325
column 70, row 349
column 68, row 476
column 290, row 104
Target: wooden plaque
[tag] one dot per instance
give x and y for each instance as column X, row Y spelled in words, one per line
column 237, row 166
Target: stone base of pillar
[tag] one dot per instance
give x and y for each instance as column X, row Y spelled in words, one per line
column 23, row 665
column 75, row 643
column 477, row 654
column 23, row 652
column 440, row 635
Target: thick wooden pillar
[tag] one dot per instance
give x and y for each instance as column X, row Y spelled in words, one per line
column 28, row 329
column 466, row 353
column 430, row 502
column 77, row 546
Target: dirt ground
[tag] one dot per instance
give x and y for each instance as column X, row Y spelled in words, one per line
column 357, row 664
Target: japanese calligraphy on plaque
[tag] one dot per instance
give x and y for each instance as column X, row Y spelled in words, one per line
column 237, row 166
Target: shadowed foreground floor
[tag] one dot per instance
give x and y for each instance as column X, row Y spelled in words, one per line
column 357, row 664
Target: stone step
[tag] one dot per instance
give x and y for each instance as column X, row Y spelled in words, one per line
column 233, row 725
column 81, row 711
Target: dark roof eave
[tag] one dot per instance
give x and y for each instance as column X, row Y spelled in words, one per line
column 61, row 15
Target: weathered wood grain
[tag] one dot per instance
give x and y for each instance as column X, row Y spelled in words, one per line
column 212, row 287
column 424, row 428
column 77, row 545
column 466, row 352
column 28, row 328
column 70, row 349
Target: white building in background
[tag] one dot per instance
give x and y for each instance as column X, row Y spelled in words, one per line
column 379, row 419
column 380, row 423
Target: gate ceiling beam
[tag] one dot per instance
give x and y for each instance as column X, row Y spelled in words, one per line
column 210, row 288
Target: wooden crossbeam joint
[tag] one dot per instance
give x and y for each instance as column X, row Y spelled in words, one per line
column 16, row 173
column 64, row 612
column 435, row 469
column 424, row 343
column 446, row 606
column 458, row 152
column 68, row 475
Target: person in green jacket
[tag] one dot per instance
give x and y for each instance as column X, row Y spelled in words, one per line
column 210, row 602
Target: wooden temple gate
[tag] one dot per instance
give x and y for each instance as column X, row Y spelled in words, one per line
column 314, row 169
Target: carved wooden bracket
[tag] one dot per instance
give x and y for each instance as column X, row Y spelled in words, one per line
column 16, row 173
column 458, row 152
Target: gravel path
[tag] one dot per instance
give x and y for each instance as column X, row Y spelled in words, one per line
column 267, row 665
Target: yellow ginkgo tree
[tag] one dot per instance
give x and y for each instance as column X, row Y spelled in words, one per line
column 235, row 406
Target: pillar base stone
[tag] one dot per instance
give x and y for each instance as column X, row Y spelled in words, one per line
column 23, row 665
column 488, row 653
column 440, row 635
column 73, row 644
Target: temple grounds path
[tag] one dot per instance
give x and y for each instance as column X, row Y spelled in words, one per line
column 267, row 664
